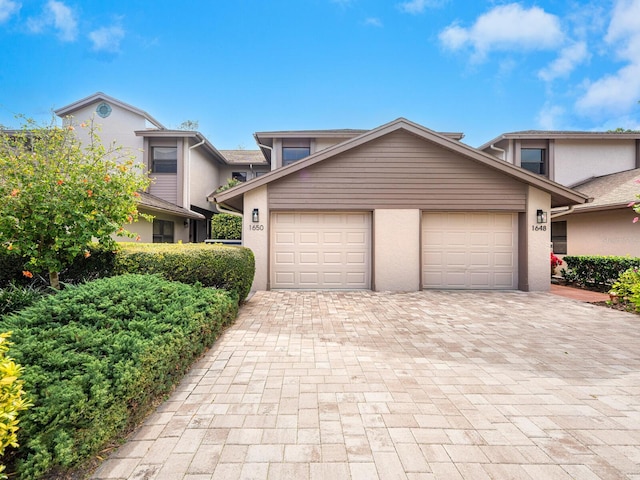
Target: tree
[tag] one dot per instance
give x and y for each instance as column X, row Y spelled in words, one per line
column 58, row 196
column 190, row 125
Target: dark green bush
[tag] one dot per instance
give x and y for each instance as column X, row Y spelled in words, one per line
column 98, row 355
column 226, row 267
column 99, row 264
column 15, row 297
column 225, row 226
column 597, row 271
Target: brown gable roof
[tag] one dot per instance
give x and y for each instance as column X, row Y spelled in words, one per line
column 560, row 195
column 244, row 157
column 153, row 203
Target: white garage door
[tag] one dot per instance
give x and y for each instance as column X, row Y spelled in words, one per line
column 469, row 250
column 311, row 250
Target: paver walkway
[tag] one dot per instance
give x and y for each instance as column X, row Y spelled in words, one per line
column 427, row 385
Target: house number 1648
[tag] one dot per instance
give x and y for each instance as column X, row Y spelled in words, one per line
column 539, row 228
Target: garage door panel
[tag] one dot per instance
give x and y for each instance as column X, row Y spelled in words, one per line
column 285, row 238
column 504, row 260
column 309, row 258
column 503, row 239
column 469, row 250
column 479, row 259
column 285, row 258
column 329, row 250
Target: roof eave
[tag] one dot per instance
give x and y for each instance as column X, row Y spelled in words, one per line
column 69, row 109
column 561, row 195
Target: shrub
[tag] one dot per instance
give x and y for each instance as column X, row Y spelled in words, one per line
column 597, row 271
column 14, row 297
column 98, row 355
column 225, row 226
column 12, row 399
column 225, row 267
column 627, row 288
column 99, row 263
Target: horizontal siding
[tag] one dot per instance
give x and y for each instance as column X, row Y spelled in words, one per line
column 398, row 170
column 165, row 187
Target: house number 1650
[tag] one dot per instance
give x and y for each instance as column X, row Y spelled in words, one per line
column 256, row 227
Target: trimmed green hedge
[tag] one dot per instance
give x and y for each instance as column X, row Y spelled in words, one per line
column 99, row 264
column 225, row 226
column 227, row 267
column 97, row 356
column 597, row 271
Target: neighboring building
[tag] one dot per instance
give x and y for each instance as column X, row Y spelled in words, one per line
column 184, row 167
column 400, row 208
column 601, row 165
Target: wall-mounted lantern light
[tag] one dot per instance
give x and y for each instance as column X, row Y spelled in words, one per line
column 186, row 223
column 255, row 216
column 541, row 217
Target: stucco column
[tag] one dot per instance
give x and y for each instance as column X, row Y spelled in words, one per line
column 255, row 235
column 396, row 240
column 538, row 241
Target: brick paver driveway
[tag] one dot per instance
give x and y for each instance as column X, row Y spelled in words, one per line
column 428, row 385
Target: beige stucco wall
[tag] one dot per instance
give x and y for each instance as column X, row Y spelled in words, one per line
column 577, row 161
column 256, row 235
column 145, row 229
column 120, row 127
column 203, row 179
column 538, row 242
column 396, row 240
column 603, row 233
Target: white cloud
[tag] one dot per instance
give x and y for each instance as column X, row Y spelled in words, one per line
column 60, row 17
column 415, row 7
column 618, row 93
column 506, row 27
column 107, row 39
column 549, row 116
column 570, row 57
column 7, row 9
column 373, row 22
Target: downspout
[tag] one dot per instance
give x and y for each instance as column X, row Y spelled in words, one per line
column 187, row 183
column 268, row 148
column 222, row 208
column 504, row 152
column 563, row 213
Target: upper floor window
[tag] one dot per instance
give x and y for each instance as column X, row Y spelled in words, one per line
column 164, row 159
column 294, row 149
column 240, row 176
column 534, row 160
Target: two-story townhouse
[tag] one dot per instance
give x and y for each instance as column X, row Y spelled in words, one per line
column 602, row 165
column 399, row 207
column 183, row 166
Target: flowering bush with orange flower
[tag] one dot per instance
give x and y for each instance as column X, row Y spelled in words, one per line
column 58, row 195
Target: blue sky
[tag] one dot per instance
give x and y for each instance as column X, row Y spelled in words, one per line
column 481, row 67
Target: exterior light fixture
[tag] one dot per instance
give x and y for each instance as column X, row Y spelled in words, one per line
column 541, row 217
column 255, row 216
column 186, row 223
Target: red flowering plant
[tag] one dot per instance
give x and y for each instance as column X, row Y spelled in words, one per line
column 555, row 261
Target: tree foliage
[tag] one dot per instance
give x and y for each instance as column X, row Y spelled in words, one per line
column 58, row 195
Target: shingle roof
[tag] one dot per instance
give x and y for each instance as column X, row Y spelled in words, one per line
column 244, row 157
column 614, row 190
column 154, row 203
